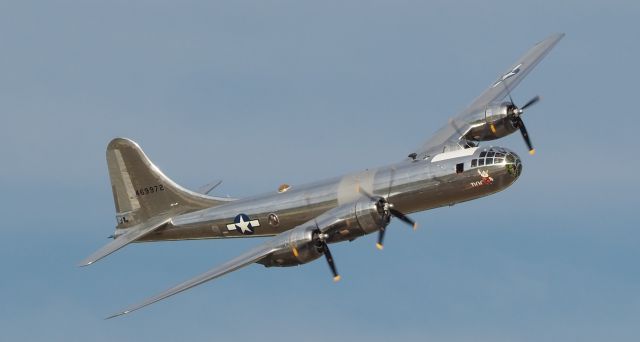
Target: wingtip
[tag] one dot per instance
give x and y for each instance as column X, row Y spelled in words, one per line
column 117, row 315
column 553, row 38
column 556, row 36
column 85, row 263
column 559, row 36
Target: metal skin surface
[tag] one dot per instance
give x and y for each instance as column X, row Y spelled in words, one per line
column 447, row 138
column 448, row 168
column 493, row 124
column 410, row 185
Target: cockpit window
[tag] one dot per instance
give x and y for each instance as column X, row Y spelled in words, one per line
column 491, row 157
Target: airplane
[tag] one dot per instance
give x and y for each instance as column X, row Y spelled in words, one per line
column 451, row 167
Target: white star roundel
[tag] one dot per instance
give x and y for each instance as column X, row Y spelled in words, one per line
column 244, row 224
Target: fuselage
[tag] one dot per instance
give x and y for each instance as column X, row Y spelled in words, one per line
column 412, row 185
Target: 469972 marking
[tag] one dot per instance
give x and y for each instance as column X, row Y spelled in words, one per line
column 149, row 190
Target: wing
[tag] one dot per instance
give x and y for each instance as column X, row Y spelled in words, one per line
column 243, row 260
column 131, row 235
column 450, row 134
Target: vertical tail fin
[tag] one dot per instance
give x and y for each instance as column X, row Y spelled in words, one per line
column 141, row 191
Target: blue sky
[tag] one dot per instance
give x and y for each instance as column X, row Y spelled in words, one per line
column 215, row 91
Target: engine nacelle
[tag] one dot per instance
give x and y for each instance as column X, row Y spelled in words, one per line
column 496, row 122
column 305, row 242
column 296, row 247
column 366, row 216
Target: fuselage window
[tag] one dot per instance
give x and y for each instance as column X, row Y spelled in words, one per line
column 474, row 163
column 489, row 161
column 490, row 154
column 480, row 162
column 499, row 160
column 460, row 168
column 482, row 154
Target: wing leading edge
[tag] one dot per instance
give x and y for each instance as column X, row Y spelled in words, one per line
column 296, row 242
column 449, row 135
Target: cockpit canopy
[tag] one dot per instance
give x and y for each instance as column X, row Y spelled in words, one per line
column 499, row 156
column 495, row 156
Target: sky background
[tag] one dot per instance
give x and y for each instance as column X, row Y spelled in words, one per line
column 221, row 90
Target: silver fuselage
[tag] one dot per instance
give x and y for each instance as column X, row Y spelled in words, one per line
column 411, row 185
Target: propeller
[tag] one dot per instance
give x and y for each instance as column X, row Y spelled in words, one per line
column 518, row 123
column 384, row 207
column 387, row 210
column 323, row 247
column 515, row 113
column 332, row 264
column 530, row 103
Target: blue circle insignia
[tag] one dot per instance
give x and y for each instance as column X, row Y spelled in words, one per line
column 245, row 224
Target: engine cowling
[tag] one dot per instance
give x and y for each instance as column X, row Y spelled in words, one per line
column 497, row 122
column 366, row 216
column 297, row 246
column 307, row 242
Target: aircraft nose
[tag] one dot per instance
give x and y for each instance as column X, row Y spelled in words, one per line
column 513, row 164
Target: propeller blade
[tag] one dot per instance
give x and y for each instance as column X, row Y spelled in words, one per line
column 394, row 212
column 402, row 217
column 525, row 135
column 366, row 193
column 379, row 245
column 332, row 265
column 531, row 102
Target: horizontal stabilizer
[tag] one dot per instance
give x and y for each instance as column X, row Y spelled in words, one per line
column 207, row 188
column 129, row 236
